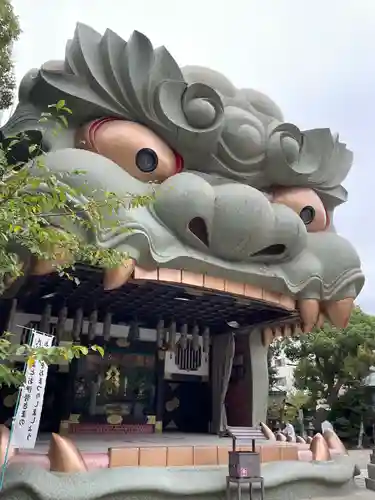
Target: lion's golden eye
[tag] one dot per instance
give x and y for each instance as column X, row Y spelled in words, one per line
column 146, row 160
column 306, row 203
column 307, row 214
column 134, row 147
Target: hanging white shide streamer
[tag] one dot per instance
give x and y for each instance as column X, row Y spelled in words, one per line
column 27, row 419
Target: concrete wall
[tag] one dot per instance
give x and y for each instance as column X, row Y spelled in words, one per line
column 247, row 398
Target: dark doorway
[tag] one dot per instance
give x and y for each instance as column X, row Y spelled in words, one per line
column 54, row 400
column 187, row 407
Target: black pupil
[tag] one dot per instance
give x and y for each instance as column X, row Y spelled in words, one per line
column 146, row 160
column 307, row 215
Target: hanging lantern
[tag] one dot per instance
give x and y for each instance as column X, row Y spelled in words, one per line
column 160, row 334
column 195, row 337
column 184, row 338
column 172, row 336
column 206, row 339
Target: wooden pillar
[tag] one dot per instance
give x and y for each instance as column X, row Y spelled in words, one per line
column 61, row 320
column 172, row 336
column 8, row 316
column 195, row 337
column 160, row 334
column 107, row 327
column 257, row 376
column 184, row 338
column 206, row 340
column 60, row 379
column 69, row 393
column 46, row 319
column 160, row 391
column 93, row 320
column 77, row 325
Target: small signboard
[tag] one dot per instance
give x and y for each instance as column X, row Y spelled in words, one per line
column 27, row 419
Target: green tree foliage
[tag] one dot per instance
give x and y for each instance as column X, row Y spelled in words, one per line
column 274, row 351
column 29, row 201
column 9, row 351
column 349, row 410
column 298, row 400
column 331, row 360
column 9, row 32
column 272, row 370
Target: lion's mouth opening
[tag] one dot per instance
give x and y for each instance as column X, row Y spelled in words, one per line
column 198, row 227
column 271, row 251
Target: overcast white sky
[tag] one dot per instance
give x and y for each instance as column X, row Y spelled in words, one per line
column 315, row 58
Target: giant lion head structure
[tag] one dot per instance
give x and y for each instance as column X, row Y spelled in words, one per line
column 239, row 192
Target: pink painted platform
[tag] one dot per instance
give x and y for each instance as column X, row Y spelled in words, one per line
column 95, row 448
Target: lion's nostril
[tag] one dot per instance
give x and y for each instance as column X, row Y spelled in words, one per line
column 198, row 227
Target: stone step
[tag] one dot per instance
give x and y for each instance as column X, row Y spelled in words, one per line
column 370, row 484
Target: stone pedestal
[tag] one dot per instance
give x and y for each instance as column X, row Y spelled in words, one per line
column 370, row 480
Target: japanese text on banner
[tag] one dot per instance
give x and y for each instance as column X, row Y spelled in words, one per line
column 27, row 419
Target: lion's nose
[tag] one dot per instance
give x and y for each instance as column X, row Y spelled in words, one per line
column 185, row 203
column 232, row 221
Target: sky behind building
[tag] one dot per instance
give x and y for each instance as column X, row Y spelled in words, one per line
column 315, row 59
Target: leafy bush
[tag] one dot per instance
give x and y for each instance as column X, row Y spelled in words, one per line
column 29, row 200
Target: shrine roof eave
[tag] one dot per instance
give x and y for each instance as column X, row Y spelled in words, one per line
column 147, row 301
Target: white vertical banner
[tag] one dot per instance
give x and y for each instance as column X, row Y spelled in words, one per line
column 27, row 419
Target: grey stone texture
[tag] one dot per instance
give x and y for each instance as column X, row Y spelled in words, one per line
column 370, row 480
column 257, row 376
column 292, row 481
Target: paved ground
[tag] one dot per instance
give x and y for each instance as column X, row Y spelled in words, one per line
column 101, row 442
column 361, row 458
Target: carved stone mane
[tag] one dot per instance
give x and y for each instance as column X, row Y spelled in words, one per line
column 216, row 127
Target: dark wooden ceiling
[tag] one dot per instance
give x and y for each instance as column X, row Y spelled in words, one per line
column 147, row 302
